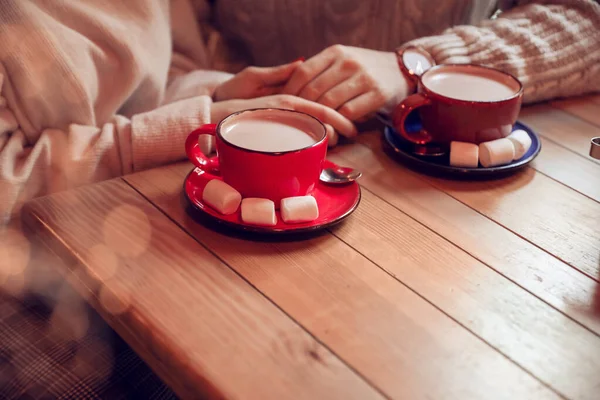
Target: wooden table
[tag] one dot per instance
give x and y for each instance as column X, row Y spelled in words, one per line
column 433, row 289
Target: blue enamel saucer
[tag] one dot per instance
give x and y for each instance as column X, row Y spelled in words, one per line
column 440, row 164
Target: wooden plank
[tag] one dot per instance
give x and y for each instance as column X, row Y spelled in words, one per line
column 513, row 321
column 388, row 333
column 541, row 210
column 555, row 282
column 568, row 168
column 552, row 216
column 192, row 317
column 465, row 289
column 562, row 128
column 582, row 107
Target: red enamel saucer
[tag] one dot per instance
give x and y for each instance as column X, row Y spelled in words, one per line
column 336, row 202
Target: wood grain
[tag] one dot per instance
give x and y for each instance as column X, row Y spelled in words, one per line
column 478, row 298
column 467, row 290
column 202, row 327
column 583, row 107
column 568, row 168
column 537, row 208
column 561, row 127
column 559, row 159
column 530, row 267
column 388, row 333
column 549, row 215
column 556, row 160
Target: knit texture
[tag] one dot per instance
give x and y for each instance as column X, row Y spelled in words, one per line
column 85, row 84
column 553, row 47
column 93, row 90
column 96, row 89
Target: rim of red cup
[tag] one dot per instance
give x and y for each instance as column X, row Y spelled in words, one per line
column 317, row 143
column 434, row 94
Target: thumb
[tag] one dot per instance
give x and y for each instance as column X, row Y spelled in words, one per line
column 278, row 75
column 332, row 136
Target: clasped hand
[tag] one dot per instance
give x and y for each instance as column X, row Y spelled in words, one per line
column 340, row 85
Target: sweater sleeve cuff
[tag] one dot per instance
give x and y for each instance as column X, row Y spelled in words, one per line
column 158, row 136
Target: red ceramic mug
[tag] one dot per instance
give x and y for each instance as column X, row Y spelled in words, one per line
column 461, row 102
column 262, row 153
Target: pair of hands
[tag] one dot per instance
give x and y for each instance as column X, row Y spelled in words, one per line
column 339, row 86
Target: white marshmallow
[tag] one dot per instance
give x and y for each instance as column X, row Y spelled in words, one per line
column 488, row 135
column 505, row 130
column 464, row 154
column 221, row 197
column 522, row 142
column 299, row 209
column 258, row 212
column 497, row 152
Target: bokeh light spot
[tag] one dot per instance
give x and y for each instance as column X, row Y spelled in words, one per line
column 127, row 231
column 114, row 300
column 103, row 262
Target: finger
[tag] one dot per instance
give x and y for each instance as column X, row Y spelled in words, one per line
column 332, row 136
column 328, row 116
column 362, row 105
column 365, row 118
column 343, row 92
column 308, row 71
column 330, row 78
column 277, row 75
column 269, row 90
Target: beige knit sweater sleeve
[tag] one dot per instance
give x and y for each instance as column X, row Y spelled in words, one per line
column 94, row 90
column 552, row 46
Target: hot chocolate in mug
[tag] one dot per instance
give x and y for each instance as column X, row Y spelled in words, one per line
column 267, row 153
column 461, row 102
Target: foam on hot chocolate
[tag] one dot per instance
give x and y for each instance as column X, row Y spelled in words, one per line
column 263, row 131
column 464, row 83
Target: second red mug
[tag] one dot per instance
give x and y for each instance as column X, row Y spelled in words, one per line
column 461, row 102
column 265, row 153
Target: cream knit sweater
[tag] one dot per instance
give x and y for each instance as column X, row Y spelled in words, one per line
column 97, row 89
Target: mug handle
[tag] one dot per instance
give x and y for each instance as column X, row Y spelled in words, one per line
column 195, row 155
column 402, row 111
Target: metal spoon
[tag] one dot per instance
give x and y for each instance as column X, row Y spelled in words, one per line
column 339, row 175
